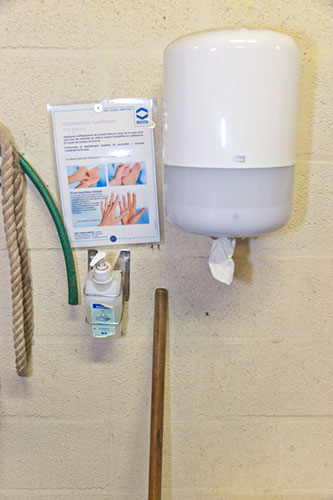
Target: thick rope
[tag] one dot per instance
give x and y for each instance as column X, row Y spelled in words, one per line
column 13, row 213
column 19, row 190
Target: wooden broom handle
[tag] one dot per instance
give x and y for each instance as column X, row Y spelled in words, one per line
column 157, row 394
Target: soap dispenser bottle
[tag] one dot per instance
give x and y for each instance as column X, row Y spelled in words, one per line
column 104, row 298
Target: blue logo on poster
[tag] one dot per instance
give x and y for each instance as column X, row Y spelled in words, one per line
column 113, row 238
column 141, row 116
column 142, row 113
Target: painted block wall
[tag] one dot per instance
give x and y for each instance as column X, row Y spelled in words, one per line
column 249, row 389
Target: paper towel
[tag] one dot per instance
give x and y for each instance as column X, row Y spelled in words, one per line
column 220, row 260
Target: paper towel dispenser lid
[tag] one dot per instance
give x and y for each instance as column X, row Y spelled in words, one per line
column 231, row 99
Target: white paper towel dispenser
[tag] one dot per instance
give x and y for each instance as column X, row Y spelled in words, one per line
column 230, row 126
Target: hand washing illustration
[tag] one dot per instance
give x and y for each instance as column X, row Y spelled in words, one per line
column 127, row 174
column 83, row 177
column 127, row 210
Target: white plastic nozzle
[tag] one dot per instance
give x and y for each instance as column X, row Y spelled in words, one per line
column 102, row 271
column 98, row 259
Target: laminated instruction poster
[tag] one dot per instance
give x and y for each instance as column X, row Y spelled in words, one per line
column 106, row 168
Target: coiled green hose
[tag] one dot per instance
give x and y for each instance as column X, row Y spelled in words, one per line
column 73, row 295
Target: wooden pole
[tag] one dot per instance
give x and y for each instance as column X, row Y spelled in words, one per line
column 157, row 394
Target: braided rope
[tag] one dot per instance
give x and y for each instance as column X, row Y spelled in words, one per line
column 19, row 201
column 13, row 213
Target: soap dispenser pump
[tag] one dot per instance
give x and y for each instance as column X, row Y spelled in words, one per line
column 102, row 271
column 104, row 295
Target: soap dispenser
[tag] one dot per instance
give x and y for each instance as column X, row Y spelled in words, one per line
column 104, row 298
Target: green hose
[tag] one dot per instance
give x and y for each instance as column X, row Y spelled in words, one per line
column 73, row 296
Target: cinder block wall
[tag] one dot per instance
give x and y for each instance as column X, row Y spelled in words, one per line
column 249, row 402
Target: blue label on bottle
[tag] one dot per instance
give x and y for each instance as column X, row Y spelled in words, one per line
column 103, row 315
